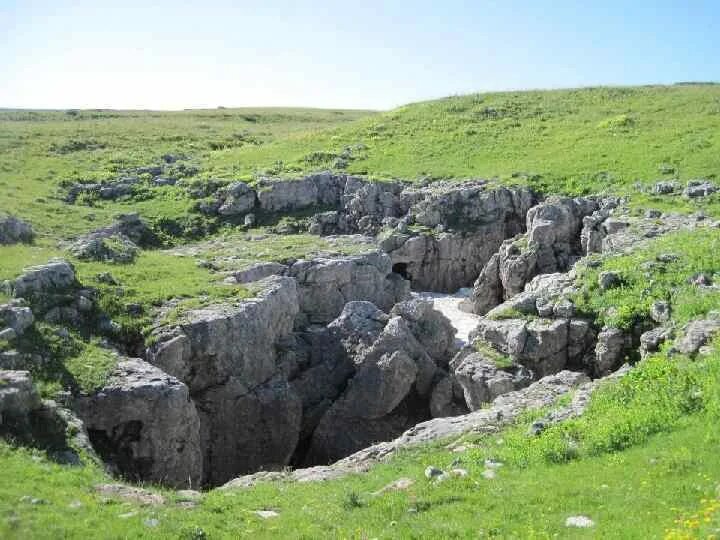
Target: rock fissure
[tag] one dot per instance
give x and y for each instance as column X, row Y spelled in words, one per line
column 334, row 355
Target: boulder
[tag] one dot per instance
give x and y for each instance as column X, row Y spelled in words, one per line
column 609, row 351
column 258, row 271
column 481, row 380
column 431, row 328
column 696, row 334
column 325, row 285
column 699, row 188
column 660, row 311
column 16, row 316
column 56, row 275
column 236, row 199
column 18, row 397
column 665, row 187
column 14, row 230
column 143, row 423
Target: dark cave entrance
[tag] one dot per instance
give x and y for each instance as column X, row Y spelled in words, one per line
column 401, row 268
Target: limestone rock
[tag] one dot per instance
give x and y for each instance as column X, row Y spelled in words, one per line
column 14, row 230
column 144, row 424
column 696, row 334
column 660, row 311
column 481, row 380
column 58, row 274
column 258, row 271
column 431, row 328
column 236, row 199
column 16, row 316
column 326, row 285
column 609, row 351
column 18, row 396
column 699, row 188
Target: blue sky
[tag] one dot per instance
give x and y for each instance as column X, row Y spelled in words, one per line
column 354, row 54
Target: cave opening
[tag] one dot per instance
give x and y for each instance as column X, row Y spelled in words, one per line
column 401, row 268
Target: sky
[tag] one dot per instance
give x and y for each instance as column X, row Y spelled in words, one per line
column 350, row 54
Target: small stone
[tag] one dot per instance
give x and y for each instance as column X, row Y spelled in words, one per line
column 653, row 214
column 75, row 504
column 266, row 514
column 491, row 464
column 151, row 522
column 582, row 522
column 489, row 474
column 250, row 220
column 461, row 473
column 433, row 472
column 401, row 484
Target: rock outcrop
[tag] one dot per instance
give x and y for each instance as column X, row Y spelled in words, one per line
column 144, row 425
column 552, row 244
column 228, row 355
column 390, row 379
column 503, row 411
column 325, row 285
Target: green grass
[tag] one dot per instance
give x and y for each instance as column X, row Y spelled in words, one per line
column 595, row 139
column 646, row 280
column 663, row 475
column 39, row 150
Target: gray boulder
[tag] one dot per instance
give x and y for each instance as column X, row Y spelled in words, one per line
column 665, row 187
column 325, row 285
column 14, row 230
column 431, row 328
column 699, row 188
column 696, row 334
column 16, row 316
column 660, row 311
column 258, row 271
column 481, row 380
column 236, row 199
column 609, row 351
column 18, row 396
column 56, row 275
column 143, row 423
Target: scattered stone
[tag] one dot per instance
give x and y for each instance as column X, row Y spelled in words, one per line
column 491, row 464
column 250, row 220
column 489, row 474
column 460, row 473
column 582, row 522
column 151, row 522
column 130, row 494
column 667, row 257
column 401, row 484
column 696, row 334
column 665, row 188
column 432, row 472
column 653, row 214
column 266, row 514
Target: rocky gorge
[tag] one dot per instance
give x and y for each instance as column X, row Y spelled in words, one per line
column 334, row 359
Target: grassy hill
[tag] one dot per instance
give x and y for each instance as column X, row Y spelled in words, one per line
column 642, row 462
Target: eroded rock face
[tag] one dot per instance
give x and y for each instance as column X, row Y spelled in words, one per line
column 697, row 333
column 446, row 261
column 325, row 285
column 392, row 375
column 228, row 356
column 552, row 244
column 143, row 423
